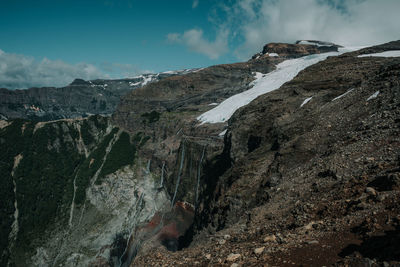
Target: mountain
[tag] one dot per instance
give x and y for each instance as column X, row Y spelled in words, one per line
column 78, row 99
column 290, row 158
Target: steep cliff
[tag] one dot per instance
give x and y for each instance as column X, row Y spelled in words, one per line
column 309, row 174
column 70, row 189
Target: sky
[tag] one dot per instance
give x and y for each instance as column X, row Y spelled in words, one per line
column 52, row 42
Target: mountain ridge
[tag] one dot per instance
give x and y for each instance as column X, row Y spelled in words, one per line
column 78, row 99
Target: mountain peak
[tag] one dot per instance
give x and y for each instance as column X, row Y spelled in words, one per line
column 299, row 49
column 79, row 82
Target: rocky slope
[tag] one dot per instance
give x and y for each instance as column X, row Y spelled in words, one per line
column 306, row 174
column 79, row 99
column 306, row 182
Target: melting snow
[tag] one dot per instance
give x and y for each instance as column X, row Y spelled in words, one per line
column 306, row 101
column 374, row 95
column 169, row 72
column 146, row 80
column 196, row 70
column 284, row 72
column 312, row 43
column 134, row 84
column 222, row 133
column 394, row 53
column 342, row 95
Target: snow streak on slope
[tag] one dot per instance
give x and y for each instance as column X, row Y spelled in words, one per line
column 284, row 72
column 394, row 53
column 342, row 95
column 374, row 95
column 306, row 101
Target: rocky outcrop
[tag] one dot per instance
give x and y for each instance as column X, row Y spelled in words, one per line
column 299, row 49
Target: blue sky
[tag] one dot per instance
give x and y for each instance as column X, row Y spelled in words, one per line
column 129, row 32
column 50, row 42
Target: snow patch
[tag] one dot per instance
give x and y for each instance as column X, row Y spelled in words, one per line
column 170, row 72
column 306, row 101
column 146, row 80
column 304, row 42
column 393, row 53
column 374, row 95
column 222, row 133
column 196, row 70
column 134, row 84
column 257, row 76
column 342, row 95
column 213, row 104
column 273, row 55
column 285, row 71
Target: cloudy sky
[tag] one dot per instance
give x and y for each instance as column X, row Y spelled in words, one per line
column 51, row 42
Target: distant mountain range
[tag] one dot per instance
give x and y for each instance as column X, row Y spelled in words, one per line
column 79, row 99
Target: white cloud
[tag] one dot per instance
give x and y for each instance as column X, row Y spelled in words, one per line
column 20, row 71
column 250, row 24
column 351, row 22
column 194, row 40
column 120, row 70
column 195, row 3
column 174, row 37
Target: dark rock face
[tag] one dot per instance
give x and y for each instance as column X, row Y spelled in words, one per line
column 167, row 111
column 163, row 229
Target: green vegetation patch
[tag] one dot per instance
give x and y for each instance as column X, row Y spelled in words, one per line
column 10, row 145
column 44, row 179
column 45, row 175
column 93, row 122
column 152, row 116
column 90, row 166
column 122, row 154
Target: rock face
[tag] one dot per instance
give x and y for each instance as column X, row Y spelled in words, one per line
column 167, row 111
column 300, row 49
column 79, row 99
column 72, row 191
